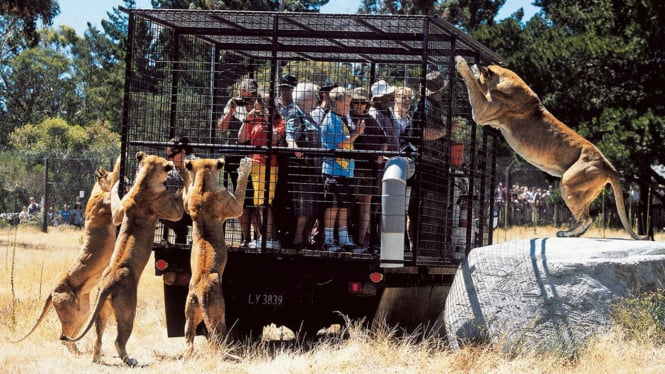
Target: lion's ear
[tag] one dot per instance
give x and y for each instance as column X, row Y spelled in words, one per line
column 140, row 155
column 486, row 72
column 220, row 164
column 188, row 165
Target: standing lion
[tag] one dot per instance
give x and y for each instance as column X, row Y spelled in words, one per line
column 145, row 203
column 71, row 296
column 209, row 204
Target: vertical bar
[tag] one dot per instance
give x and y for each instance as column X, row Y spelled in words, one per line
column 44, row 227
column 490, row 232
column 472, row 181
column 126, row 102
column 175, row 73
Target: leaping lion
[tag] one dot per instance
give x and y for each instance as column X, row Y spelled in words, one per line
column 500, row 98
column 71, row 295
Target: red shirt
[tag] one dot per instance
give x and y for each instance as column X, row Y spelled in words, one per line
column 258, row 136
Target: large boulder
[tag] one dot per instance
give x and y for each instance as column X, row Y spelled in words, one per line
column 538, row 293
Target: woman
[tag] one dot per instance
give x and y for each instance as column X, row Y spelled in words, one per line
column 256, row 130
column 366, row 170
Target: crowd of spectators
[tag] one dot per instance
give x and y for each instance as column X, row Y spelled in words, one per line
column 33, row 211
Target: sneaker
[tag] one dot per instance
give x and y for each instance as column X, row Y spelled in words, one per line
column 359, row 250
column 331, row 247
column 255, row 244
column 273, row 244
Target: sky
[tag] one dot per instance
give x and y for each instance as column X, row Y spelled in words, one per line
column 76, row 13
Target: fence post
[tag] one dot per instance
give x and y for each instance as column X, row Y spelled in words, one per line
column 45, row 204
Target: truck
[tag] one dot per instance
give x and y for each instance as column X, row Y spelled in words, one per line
column 184, row 66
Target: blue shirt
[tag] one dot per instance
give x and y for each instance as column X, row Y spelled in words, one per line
column 333, row 132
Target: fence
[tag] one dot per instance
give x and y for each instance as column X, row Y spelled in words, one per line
column 53, row 181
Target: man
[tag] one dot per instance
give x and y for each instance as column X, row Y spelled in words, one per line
column 287, row 83
column 324, row 107
column 235, row 113
column 383, row 98
column 178, row 151
column 33, row 207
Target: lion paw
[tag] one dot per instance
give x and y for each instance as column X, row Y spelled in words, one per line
column 245, row 167
column 101, row 173
column 460, row 62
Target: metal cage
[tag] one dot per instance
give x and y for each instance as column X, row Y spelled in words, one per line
column 184, row 67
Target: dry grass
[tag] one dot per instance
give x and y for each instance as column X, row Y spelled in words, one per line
column 38, row 259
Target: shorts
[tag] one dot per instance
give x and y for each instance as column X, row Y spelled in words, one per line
column 259, row 183
column 365, row 177
column 337, row 191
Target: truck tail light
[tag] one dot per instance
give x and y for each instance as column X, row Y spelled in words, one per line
column 376, row 277
column 357, row 288
column 161, row 264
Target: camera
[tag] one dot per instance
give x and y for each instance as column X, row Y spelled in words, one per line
column 240, row 101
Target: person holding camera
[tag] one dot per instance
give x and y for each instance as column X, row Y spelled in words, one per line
column 256, row 131
column 235, row 114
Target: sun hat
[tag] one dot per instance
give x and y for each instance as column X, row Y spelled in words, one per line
column 360, row 94
column 381, row 88
column 338, row 94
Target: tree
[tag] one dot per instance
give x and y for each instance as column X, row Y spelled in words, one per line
column 19, row 20
column 37, row 83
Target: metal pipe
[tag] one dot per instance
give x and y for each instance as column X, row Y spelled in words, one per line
column 393, row 211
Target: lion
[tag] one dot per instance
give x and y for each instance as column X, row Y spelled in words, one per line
column 209, row 205
column 500, row 98
column 71, row 295
column 145, row 202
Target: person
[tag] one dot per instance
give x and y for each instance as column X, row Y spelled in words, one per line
column 23, row 216
column 366, row 169
column 33, row 207
column 408, row 139
column 434, row 126
column 383, row 97
column 302, row 131
column 287, row 83
column 324, row 98
column 256, row 130
column 52, row 216
column 338, row 171
column 77, row 214
column 178, row 151
column 65, row 215
column 235, row 111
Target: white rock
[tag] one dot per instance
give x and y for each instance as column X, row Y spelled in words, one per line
column 537, row 293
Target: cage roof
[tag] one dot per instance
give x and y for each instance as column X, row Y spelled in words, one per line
column 323, row 37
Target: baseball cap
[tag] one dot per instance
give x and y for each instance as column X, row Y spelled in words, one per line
column 288, row 81
column 435, row 82
column 328, row 85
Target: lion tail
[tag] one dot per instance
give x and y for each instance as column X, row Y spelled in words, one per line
column 102, row 295
column 621, row 208
column 47, row 305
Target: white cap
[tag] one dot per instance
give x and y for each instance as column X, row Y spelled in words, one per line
column 381, row 88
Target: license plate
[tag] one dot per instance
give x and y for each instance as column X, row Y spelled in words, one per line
column 265, row 298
